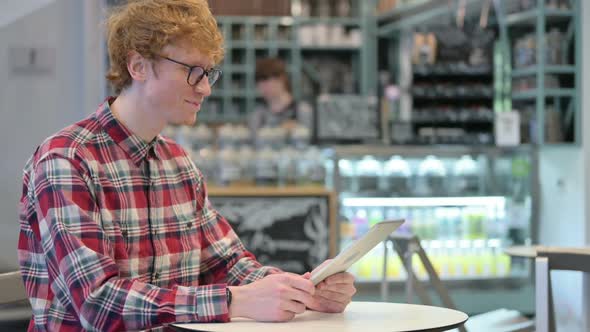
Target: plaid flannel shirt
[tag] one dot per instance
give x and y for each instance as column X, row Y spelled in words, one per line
column 119, row 234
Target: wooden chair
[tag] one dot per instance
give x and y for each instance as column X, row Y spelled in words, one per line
column 548, row 259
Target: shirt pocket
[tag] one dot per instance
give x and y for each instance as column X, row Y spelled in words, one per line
column 185, row 217
column 184, row 245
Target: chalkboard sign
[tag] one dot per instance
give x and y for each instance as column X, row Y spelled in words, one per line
column 294, row 233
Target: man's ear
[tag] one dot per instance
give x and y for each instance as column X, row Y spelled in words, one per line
column 138, row 66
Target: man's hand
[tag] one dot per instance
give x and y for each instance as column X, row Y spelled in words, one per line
column 274, row 298
column 333, row 294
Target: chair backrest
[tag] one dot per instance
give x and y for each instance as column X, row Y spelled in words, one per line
column 11, row 287
column 548, row 259
column 571, row 259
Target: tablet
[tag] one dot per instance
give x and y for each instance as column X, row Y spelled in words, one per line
column 356, row 250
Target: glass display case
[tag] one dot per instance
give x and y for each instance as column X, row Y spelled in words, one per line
column 466, row 204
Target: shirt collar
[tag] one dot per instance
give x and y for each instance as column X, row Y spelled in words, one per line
column 136, row 148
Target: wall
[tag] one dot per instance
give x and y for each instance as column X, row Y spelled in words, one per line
column 585, row 105
column 12, row 10
column 562, row 224
column 34, row 105
column 565, row 214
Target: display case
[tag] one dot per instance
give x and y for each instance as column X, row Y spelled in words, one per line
column 466, row 204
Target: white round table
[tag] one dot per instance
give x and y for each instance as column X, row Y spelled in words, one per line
column 358, row 316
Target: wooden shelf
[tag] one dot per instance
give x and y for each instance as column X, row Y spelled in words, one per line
column 252, row 190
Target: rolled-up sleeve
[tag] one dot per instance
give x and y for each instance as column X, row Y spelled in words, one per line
column 224, row 257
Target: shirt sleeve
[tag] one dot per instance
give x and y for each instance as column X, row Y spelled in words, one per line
column 84, row 275
column 224, row 257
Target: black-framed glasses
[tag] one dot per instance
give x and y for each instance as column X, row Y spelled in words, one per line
column 196, row 73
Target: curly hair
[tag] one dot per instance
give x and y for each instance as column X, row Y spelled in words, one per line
column 147, row 26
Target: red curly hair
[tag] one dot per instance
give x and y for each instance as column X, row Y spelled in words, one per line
column 147, row 26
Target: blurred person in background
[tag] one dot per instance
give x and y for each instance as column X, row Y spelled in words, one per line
column 116, row 228
column 280, row 107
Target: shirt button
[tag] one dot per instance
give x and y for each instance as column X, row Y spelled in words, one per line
column 124, row 233
column 189, row 224
column 156, row 276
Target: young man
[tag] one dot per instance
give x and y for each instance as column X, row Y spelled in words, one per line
column 117, row 232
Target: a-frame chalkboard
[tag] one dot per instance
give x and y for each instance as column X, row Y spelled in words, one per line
column 290, row 228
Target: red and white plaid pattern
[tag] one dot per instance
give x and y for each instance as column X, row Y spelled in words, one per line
column 119, row 234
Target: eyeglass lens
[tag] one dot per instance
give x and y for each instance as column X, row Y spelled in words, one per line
column 197, row 73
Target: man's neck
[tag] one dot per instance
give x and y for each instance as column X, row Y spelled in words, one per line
column 138, row 117
column 279, row 103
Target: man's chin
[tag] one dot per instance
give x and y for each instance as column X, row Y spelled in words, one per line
column 185, row 122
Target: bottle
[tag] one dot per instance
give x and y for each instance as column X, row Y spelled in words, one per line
column 394, row 264
column 479, row 259
column 418, row 225
column 375, row 216
column 441, row 214
column 347, row 230
column 473, row 223
column 361, row 222
column 431, row 223
column 455, row 223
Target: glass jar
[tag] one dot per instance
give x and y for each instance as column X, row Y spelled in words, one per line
column 229, row 166
column 397, row 175
column 206, row 161
column 241, row 136
column 431, row 177
column 300, row 137
column 225, row 136
column 288, row 166
column 466, row 176
column 347, row 175
column 264, row 138
column 316, row 170
column 267, row 171
column 246, row 161
column 368, row 172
